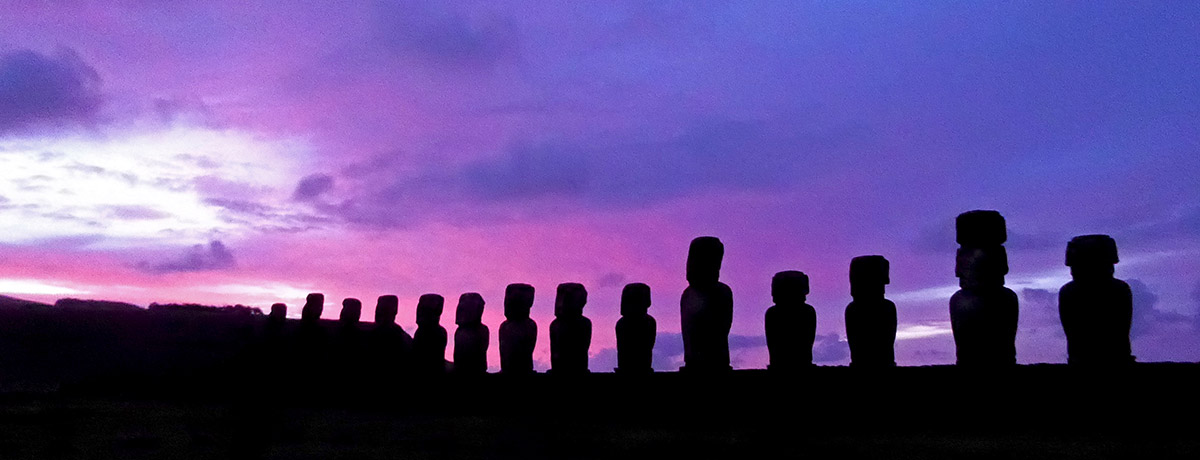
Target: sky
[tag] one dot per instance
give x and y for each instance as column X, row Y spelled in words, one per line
column 252, row 152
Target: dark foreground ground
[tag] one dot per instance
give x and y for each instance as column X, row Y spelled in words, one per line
column 1047, row 411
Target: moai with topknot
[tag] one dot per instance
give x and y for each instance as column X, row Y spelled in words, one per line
column 870, row 318
column 636, row 331
column 471, row 337
column 429, row 340
column 791, row 324
column 518, row 332
column 570, row 332
column 983, row 313
column 706, row 309
column 1096, row 308
column 390, row 345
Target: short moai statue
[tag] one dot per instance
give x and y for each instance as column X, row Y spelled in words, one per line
column 311, row 339
column 471, row 337
column 351, row 313
column 1096, row 308
column 791, row 324
column 429, row 340
column 314, row 305
column 390, row 345
column 870, row 318
column 518, row 332
column 570, row 332
column 636, row 331
column 276, row 320
column 348, row 346
column 705, row 309
column 310, row 329
column 983, row 313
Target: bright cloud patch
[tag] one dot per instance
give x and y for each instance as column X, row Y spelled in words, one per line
column 139, row 185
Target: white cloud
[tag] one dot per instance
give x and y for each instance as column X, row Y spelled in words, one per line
column 25, row 286
column 69, row 186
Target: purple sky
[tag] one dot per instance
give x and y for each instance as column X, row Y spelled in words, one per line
column 220, row 152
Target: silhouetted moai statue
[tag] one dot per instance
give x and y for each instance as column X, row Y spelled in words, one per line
column 314, row 305
column 471, row 337
column 429, row 341
column 983, row 314
column 390, row 345
column 1096, row 308
column 870, row 318
column 276, row 321
column 348, row 350
column 791, row 324
column 310, row 335
column 570, row 332
column 706, row 309
column 351, row 313
column 636, row 331
column 518, row 332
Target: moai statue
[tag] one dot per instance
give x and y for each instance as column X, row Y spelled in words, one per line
column 791, row 324
column 429, row 341
column 706, row 309
column 870, row 318
column 351, row 313
column 348, row 346
column 1096, row 308
column 310, row 330
column 570, row 332
column 983, row 314
column 310, row 335
column 390, row 345
column 276, row 320
column 636, row 331
column 471, row 338
column 518, row 332
column 314, row 305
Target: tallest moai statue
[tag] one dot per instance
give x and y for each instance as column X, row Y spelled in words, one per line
column 706, row 309
column 983, row 313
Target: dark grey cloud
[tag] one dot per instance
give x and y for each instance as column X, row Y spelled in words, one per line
column 829, row 348
column 668, row 351
column 213, row 256
column 438, row 34
column 312, row 186
column 706, row 156
column 604, row 361
column 1147, row 319
column 37, row 89
column 610, row 279
column 1039, row 309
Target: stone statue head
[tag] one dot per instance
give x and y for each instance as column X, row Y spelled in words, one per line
column 704, row 260
column 470, row 309
column 635, row 299
column 789, row 287
column 351, row 311
column 429, row 309
column 314, row 305
column 570, row 300
column 386, row 309
column 518, row 300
